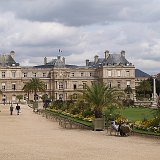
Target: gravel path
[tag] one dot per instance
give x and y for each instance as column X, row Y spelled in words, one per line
column 29, row 136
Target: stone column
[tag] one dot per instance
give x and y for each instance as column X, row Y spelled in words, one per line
column 154, row 103
column 154, row 88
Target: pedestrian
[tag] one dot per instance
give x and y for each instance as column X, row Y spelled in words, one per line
column 11, row 109
column 18, row 108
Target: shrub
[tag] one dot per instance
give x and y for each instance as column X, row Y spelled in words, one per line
column 128, row 102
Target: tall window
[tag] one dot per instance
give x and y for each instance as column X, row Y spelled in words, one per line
column 34, row 75
column 74, row 86
column 119, row 84
column 118, row 73
column 61, row 85
column 24, row 74
column 128, row 83
column 127, row 73
column 109, row 84
column 60, row 96
column 44, row 74
column 82, row 74
column 3, row 86
column 13, row 74
column 35, row 97
column 84, row 85
column 3, row 74
column 13, row 86
column 72, row 74
column 46, row 86
column 109, row 73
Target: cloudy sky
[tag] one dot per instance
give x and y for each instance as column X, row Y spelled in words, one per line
column 81, row 29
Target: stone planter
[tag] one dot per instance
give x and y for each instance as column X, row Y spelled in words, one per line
column 99, row 124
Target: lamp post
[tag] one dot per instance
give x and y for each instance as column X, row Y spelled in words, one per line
column 154, row 103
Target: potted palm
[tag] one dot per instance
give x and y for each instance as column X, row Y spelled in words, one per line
column 100, row 96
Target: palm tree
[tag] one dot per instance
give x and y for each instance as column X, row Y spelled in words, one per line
column 100, row 96
column 27, row 88
column 34, row 85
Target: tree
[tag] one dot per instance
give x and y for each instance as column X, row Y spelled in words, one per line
column 128, row 90
column 150, row 80
column 44, row 97
column 34, row 85
column 19, row 97
column 144, row 87
column 27, row 88
column 100, row 96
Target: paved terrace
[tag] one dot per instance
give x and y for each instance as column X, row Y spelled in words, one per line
column 30, row 136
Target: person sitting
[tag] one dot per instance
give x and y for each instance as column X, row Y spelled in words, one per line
column 114, row 125
column 124, row 129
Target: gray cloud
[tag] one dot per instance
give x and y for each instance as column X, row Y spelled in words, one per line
column 84, row 12
column 81, row 29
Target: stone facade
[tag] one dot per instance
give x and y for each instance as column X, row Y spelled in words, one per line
column 62, row 80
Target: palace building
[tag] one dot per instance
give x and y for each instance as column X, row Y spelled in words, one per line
column 63, row 80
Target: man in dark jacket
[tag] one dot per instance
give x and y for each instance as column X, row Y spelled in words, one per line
column 18, row 108
column 11, row 109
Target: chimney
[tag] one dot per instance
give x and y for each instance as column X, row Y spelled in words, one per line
column 59, row 57
column 123, row 53
column 45, row 60
column 87, row 62
column 106, row 54
column 63, row 60
column 12, row 54
column 95, row 59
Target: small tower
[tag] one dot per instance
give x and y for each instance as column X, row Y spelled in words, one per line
column 45, row 60
column 12, row 54
column 106, row 54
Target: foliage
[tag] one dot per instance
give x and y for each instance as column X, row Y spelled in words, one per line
column 34, row 85
column 128, row 90
column 144, row 87
column 128, row 102
column 149, row 125
column 44, row 97
column 19, row 97
column 100, row 96
column 63, row 114
column 150, row 80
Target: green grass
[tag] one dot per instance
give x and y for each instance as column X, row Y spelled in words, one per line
column 136, row 114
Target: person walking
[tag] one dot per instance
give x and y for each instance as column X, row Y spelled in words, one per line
column 18, row 108
column 11, row 109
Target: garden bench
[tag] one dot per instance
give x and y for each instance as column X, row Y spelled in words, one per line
column 65, row 122
column 111, row 129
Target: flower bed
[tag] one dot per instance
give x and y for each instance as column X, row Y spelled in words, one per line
column 150, row 126
column 75, row 118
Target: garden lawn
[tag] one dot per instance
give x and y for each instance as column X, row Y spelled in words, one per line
column 136, row 114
